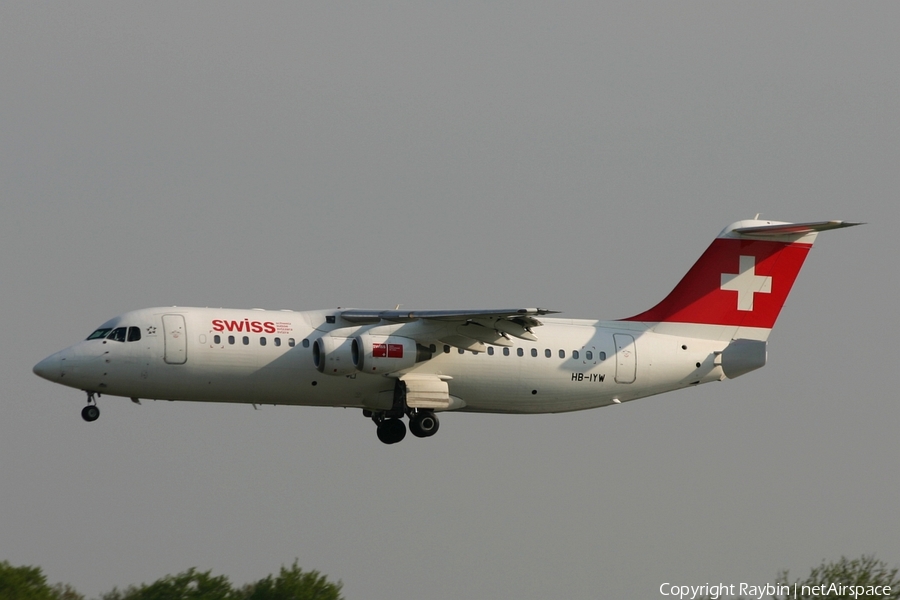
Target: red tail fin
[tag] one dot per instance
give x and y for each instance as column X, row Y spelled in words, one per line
column 743, row 278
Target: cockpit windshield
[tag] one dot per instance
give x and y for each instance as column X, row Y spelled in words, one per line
column 119, row 334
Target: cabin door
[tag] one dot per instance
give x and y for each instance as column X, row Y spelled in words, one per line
column 175, row 339
column 626, row 358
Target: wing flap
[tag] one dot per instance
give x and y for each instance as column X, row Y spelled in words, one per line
column 479, row 332
column 463, row 342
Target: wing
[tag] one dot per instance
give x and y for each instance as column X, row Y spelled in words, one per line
column 466, row 329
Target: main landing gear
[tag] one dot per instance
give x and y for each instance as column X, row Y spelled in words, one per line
column 423, row 423
column 392, row 429
column 90, row 412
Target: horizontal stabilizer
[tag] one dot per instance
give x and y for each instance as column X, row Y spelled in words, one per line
column 792, row 228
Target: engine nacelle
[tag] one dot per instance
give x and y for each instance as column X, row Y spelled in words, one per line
column 334, row 355
column 386, row 353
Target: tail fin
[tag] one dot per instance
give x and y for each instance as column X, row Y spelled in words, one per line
column 740, row 283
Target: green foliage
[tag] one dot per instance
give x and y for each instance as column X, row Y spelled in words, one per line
column 293, row 584
column 189, row 585
column 838, row 580
column 30, row 583
column 64, row 591
column 23, row 583
column 865, row 572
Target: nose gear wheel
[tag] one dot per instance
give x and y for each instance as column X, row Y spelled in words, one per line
column 91, row 412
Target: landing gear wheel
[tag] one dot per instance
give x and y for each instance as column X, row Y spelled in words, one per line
column 391, row 431
column 90, row 413
column 423, row 424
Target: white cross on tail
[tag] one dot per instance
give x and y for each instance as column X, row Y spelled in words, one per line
column 746, row 283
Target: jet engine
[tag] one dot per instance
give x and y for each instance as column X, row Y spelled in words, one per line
column 334, row 355
column 386, row 353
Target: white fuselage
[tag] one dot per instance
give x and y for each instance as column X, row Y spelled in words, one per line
column 399, row 363
column 266, row 357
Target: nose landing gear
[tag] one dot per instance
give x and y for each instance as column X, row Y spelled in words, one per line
column 90, row 412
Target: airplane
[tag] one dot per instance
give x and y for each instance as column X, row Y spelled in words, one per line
column 397, row 363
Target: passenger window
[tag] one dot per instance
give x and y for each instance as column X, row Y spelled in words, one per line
column 304, row 342
column 490, row 350
column 231, row 339
column 601, row 355
column 534, row 352
column 446, row 349
column 547, row 353
column 217, row 339
column 118, row 334
column 291, row 342
column 246, row 340
column 575, row 354
column 433, row 348
column 588, row 355
column 461, row 351
column 100, row 333
column 562, row 353
column 262, row 341
column 277, row 341
column 134, row 334
column 520, row 352
column 506, row 352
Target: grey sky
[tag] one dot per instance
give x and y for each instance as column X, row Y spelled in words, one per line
column 574, row 156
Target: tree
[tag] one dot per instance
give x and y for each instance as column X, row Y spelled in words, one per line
column 30, row 583
column 189, row 585
column 862, row 577
column 64, row 591
column 293, row 584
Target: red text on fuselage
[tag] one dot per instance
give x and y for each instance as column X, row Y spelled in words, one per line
column 243, row 325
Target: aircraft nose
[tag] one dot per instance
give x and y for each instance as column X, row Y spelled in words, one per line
column 49, row 368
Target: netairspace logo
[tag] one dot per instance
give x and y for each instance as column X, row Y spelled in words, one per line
column 770, row 590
